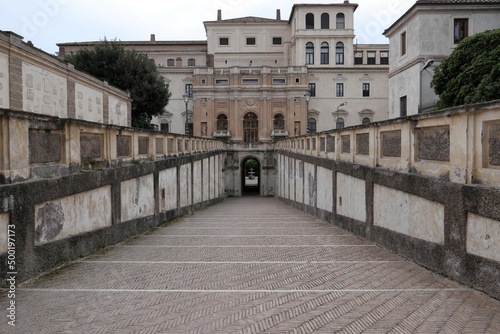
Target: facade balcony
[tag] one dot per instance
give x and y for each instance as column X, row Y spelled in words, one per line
column 222, row 134
column 250, row 70
column 279, row 133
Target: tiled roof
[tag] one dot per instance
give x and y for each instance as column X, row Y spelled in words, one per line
column 458, row 2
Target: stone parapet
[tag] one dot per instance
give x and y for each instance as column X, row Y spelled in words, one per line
column 34, row 146
column 459, row 144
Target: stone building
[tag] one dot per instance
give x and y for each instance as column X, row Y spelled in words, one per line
column 420, row 39
column 258, row 79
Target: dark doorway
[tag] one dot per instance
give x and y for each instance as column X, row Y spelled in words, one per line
column 250, row 177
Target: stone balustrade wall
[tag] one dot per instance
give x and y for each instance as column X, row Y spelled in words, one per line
column 426, row 187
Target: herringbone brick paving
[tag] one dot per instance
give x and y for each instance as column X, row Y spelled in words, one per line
column 249, row 265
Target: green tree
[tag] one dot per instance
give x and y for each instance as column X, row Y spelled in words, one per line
column 471, row 74
column 130, row 71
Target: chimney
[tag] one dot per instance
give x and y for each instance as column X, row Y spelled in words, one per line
column 278, row 14
column 219, row 15
column 153, row 38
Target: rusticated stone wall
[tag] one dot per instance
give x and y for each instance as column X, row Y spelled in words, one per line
column 451, row 228
column 63, row 218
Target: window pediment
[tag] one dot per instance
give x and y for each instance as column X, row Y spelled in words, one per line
column 313, row 112
column 340, row 113
column 340, row 78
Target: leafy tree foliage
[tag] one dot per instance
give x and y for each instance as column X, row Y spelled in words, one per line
column 471, row 74
column 130, row 71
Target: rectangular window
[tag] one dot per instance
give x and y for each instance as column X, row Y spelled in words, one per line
column 203, row 81
column 402, row 106
column 277, row 41
column 309, row 58
column 224, row 41
column 366, row 90
column 189, row 90
column 279, row 81
column 461, row 30
column 251, row 41
column 222, row 81
column 312, row 89
column 250, row 81
column 403, row 43
column 340, row 90
column 384, row 58
column 358, row 58
column 325, row 59
column 371, row 57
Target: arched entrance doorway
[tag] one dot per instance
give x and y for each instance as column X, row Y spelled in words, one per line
column 250, row 176
column 250, row 128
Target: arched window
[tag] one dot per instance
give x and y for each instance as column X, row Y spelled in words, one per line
column 171, row 62
column 309, row 53
column 325, row 53
column 312, row 125
column 325, row 21
column 250, row 128
column 340, row 123
column 221, row 122
column 366, row 120
column 340, row 21
column 191, row 62
column 279, row 122
column 339, row 53
column 309, row 21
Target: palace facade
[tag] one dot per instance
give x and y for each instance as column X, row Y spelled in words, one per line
column 258, row 79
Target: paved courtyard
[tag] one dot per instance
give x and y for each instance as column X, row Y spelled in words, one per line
column 249, row 265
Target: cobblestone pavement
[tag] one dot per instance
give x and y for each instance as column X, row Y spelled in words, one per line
column 249, row 265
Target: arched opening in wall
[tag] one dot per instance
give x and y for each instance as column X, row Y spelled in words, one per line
column 250, row 177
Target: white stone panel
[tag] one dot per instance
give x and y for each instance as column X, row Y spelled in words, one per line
column 4, row 81
column 310, row 185
column 118, row 111
column 168, row 189
column 325, row 190
column 44, row 92
column 290, row 181
column 483, row 237
column 73, row 215
column 351, row 197
column 212, row 180
column 4, row 223
column 89, row 104
column 283, row 176
column 138, row 200
column 408, row 214
column 299, row 181
column 185, row 185
column 206, row 179
column 197, row 180
column 216, row 177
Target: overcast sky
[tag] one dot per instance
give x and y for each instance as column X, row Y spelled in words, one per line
column 47, row 22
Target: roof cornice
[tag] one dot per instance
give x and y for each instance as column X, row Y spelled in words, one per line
column 432, row 4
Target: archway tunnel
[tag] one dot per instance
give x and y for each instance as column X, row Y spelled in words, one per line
column 250, row 176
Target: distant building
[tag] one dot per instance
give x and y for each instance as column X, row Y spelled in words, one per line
column 426, row 34
column 248, row 81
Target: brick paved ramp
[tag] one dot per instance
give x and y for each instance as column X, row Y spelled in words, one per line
column 249, row 265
